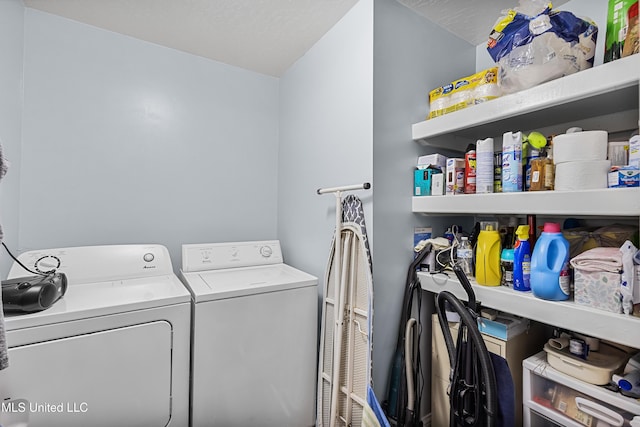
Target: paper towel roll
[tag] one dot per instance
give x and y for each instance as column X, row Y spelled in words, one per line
column 580, row 146
column 571, row 176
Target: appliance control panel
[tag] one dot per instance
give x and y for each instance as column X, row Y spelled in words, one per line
column 217, row 256
column 90, row 264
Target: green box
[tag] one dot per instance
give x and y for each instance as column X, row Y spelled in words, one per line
column 617, row 26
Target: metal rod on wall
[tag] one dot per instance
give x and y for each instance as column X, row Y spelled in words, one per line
column 364, row 186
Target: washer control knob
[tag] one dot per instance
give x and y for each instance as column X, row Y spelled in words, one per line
column 148, row 257
column 266, row 251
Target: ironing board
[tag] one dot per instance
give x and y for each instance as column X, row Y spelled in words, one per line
column 345, row 397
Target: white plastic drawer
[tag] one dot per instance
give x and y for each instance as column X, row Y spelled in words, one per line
column 552, row 395
column 535, row 419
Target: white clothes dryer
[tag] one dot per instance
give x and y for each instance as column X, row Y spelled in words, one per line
column 113, row 351
column 254, row 345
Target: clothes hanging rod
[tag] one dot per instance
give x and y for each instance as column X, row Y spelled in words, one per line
column 364, row 186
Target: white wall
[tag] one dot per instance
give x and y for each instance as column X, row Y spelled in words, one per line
column 125, row 141
column 11, row 42
column 326, row 137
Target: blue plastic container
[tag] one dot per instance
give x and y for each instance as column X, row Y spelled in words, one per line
column 550, row 278
column 522, row 260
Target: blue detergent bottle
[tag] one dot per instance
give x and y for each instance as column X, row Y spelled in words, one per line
column 522, row 260
column 550, row 278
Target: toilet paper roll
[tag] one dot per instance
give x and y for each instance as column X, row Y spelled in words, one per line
column 571, row 176
column 580, row 146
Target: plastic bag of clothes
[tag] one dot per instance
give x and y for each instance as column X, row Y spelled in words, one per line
column 532, row 44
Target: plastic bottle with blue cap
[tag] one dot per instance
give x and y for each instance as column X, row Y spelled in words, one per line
column 522, row 260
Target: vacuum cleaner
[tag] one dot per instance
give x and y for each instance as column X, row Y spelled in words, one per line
column 473, row 390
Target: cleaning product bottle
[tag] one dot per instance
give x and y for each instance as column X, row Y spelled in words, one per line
column 537, row 174
column 550, row 265
column 506, row 267
column 522, row 260
column 484, row 166
column 488, row 256
column 533, row 228
column 497, row 172
column 535, row 143
column 549, row 167
column 470, row 169
column 511, row 162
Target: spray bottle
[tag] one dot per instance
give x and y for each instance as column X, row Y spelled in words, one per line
column 522, row 260
column 511, row 162
column 484, row 167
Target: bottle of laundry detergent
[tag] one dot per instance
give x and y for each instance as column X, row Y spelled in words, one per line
column 550, row 278
column 522, row 260
column 488, row 256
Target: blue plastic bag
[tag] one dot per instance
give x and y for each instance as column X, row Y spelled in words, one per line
column 533, row 44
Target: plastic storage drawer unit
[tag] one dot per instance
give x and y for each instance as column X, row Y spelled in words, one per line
column 553, row 398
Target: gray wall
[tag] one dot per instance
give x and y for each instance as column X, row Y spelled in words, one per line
column 338, row 126
column 125, row 141
column 11, row 42
column 412, row 57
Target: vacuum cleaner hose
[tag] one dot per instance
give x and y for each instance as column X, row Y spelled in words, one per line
column 466, row 358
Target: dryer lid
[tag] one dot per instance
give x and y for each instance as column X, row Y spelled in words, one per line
column 102, row 280
column 89, row 300
column 236, row 282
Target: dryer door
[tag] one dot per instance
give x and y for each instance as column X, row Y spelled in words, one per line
column 115, row 377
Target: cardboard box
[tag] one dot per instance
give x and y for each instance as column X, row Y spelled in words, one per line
column 422, row 181
column 504, row 327
column 564, row 401
column 624, row 176
column 437, row 184
column 455, row 176
column 432, row 160
column 421, row 233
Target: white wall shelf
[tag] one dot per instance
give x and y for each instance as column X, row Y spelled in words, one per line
column 604, row 202
column 602, row 324
column 609, row 88
column 604, row 97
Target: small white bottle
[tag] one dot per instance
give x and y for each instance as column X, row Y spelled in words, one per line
column 465, row 256
column 484, row 166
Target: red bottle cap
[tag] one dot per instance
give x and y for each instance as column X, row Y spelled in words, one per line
column 633, row 11
column 551, row 227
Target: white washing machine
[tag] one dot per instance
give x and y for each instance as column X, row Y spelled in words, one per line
column 254, row 345
column 114, row 351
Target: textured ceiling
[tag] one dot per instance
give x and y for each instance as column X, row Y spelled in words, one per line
column 470, row 20
column 266, row 36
